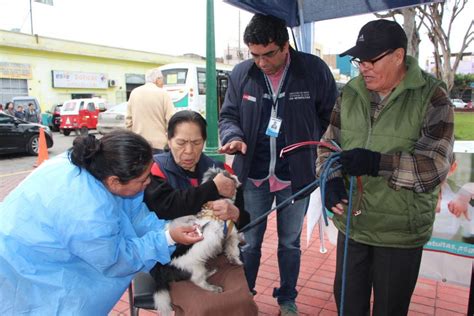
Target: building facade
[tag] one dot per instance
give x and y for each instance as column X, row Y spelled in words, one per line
column 54, row 70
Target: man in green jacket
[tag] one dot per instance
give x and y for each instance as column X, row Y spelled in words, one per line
column 394, row 123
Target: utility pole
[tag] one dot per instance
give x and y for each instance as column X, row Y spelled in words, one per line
column 212, row 142
column 31, row 17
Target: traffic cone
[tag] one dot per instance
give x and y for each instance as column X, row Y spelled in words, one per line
column 42, row 150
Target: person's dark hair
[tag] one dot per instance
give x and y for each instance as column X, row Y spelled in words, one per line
column 187, row 116
column 265, row 29
column 120, row 153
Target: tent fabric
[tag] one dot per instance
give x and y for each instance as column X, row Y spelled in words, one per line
column 69, row 246
column 318, row 10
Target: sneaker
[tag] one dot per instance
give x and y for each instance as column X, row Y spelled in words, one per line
column 288, row 309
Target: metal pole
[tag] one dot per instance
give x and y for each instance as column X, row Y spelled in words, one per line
column 212, row 142
column 31, row 18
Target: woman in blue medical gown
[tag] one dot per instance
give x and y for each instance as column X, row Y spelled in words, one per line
column 75, row 231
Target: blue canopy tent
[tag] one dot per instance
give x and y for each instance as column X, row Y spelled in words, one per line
column 308, row 11
column 318, row 10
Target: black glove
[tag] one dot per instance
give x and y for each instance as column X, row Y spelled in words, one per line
column 335, row 192
column 359, row 162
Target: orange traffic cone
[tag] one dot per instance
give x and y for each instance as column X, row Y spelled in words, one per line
column 42, row 149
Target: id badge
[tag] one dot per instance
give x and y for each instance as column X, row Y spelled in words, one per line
column 273, row 127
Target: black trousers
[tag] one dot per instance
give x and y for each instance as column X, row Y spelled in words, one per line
column 391, row 272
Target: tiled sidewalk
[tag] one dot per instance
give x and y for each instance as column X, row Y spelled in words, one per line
column 315, row 285
column 315, row 281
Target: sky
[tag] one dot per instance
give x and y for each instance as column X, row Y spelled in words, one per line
column 173, row 27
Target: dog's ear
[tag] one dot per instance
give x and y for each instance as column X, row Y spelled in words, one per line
column 236, row 179
column 210, row 174
column 203, row 221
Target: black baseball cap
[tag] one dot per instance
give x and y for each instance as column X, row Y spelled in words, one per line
column 377, row 37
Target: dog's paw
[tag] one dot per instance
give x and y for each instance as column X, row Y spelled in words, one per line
column 211, row 272
column 216, row 289
column 235, row 261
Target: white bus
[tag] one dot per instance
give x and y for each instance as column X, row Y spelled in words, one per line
column 186, row 85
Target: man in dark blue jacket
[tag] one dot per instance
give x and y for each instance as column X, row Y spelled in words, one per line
column 279, row 98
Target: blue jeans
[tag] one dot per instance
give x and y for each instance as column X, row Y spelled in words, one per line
column 258, row 200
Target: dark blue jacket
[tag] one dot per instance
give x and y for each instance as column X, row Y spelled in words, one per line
column 171, row 195
column 310, row 94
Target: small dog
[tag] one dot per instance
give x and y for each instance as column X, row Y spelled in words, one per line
column 189, row 262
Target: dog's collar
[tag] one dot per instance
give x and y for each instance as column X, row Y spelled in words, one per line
column 206, row 212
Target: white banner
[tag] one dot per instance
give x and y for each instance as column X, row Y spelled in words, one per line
column 76, row 79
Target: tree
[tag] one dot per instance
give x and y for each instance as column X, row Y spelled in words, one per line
column 410, row 26
column 462, row 83
column 432, row 17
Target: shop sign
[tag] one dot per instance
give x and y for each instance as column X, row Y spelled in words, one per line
column 76, row 79
column 15, row 71
column 135, row 78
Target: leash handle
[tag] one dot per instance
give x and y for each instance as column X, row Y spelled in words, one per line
column 287, row 149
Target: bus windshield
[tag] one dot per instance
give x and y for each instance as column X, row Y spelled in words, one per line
column 174, row 76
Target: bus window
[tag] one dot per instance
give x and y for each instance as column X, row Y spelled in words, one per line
column 174, row 76
column 186, row 84
column 222, row 83
column 201, row 81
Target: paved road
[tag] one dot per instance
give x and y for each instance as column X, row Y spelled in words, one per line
column 21, row 162
column 15, row 167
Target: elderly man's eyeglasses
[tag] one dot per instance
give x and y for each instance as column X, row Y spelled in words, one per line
column 267, row 55
column 369, row 63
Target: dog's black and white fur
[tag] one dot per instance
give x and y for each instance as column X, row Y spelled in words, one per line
column 189, row 262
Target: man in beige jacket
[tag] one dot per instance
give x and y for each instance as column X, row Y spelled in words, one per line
column 149, row 110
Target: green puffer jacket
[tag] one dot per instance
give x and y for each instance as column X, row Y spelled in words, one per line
column 390, row 218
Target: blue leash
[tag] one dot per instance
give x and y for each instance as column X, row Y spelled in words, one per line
column 307, row 189
column 327, row 171
column 346, row 243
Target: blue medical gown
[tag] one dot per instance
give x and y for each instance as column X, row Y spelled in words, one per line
column 70, row 247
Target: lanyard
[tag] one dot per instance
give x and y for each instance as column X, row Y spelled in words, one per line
column 272, row 92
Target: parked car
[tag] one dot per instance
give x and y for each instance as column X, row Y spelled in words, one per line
column 52, row 117
column 458, row 103
column 112, row 119
column 21, row 136
column 24, row 101
column 81, row 115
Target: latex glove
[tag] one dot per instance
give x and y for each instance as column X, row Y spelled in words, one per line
column 185, row 235
column 335, row 195
column 360, row 161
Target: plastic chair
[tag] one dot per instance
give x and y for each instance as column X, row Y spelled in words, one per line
column 140, row 293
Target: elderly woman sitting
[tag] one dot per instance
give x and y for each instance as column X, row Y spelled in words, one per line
column 176, row 190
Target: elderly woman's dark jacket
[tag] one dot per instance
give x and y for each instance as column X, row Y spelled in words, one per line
column 171, row 194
